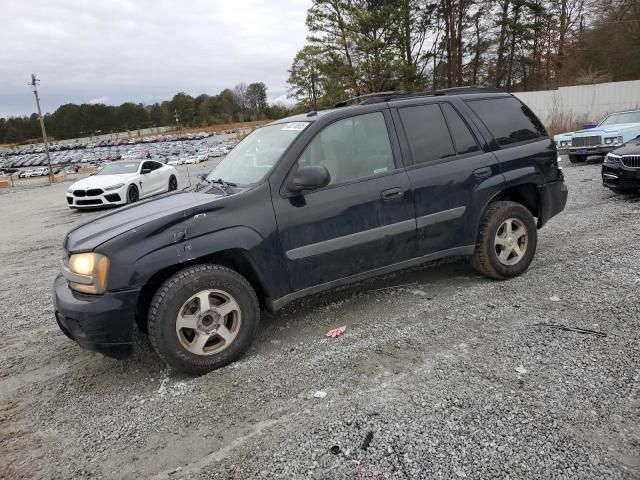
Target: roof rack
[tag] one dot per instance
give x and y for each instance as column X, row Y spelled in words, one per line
column 369, row 98
column 380, row 97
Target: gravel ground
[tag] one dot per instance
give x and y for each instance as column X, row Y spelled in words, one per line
column 440, row 373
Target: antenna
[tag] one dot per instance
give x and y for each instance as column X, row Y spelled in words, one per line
column 313, row 88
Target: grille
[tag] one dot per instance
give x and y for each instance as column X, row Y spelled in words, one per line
column 95, row 201
column 94, row 192
column 631, row 161
column 586, row 141
column 79, row 193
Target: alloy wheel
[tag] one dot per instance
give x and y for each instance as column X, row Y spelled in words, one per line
column 511, row 241
column 208, row 322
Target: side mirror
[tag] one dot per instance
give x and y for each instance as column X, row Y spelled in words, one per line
column 310, row 178
column 202, row 174
column 145, row 171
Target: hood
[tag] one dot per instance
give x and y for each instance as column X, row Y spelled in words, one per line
column 629, row 148
column 94, row 233
column 102, row 181
column 610, row 129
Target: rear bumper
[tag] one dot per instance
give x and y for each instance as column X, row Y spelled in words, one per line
column 102, row 323
column 553, row 199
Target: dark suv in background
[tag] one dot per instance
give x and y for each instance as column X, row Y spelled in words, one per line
column 306, row 204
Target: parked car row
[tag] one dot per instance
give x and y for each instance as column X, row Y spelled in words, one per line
column 116, row 142
column 176, row 153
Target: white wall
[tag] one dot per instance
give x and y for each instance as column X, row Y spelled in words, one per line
column 584, row 102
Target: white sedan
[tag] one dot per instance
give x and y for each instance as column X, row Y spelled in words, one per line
column 122, row 182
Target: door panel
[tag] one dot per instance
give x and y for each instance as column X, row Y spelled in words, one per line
column 345, row 230
column 451, row 177
column 362, row 220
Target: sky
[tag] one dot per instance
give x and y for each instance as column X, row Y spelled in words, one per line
column 112, row 51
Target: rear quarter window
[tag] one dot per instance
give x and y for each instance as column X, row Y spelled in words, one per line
column 508, row 120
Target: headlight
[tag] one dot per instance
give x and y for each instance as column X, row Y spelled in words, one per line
column 612, row 159
column 114, row 187
column 611, row 140
column 87, row 272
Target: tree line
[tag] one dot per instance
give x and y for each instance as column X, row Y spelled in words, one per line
column 242, row 103
column 356, row 47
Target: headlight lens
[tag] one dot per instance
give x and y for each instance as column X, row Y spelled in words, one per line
column 611, row 159
column 87, row 272
column 114, row 187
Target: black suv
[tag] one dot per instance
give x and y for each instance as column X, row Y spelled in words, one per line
column 306, row 204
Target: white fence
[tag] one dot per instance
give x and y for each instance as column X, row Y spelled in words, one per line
column 582, row 102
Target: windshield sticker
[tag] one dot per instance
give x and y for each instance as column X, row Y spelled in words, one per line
column 296, row 126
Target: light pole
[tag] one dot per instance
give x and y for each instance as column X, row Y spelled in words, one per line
column 34, row 84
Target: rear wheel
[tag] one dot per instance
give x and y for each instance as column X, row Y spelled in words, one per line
column 133, row 195
column 577, row 158
column 173, row 183
column 203, row 318
column 506, row 242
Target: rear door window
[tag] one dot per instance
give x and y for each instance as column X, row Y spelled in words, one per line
column 427, row 133
column 464, row 140
column 508, row 120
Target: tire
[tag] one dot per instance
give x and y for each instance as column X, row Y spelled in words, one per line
column 177, row 345
column 173, row 183
column 577, row 158
column 133, row 195
column 495, row 238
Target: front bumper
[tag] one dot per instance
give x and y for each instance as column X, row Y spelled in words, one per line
column 595, row 150
column 621, row 177
column 102, row 323
column 104, row 199
column 553, row 199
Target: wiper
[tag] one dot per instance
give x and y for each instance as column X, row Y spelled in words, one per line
column 224, row 186
column 202, row 183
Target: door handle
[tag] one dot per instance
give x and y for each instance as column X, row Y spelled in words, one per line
column 392, row 194
column 482, row 172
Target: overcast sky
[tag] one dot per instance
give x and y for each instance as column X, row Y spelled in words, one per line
column 112, row 51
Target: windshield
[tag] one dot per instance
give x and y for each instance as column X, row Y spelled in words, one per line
column 118, row 168
column 254, row 156
column 617, row 118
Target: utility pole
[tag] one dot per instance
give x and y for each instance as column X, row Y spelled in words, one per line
column 34, row 84
column 175, row 110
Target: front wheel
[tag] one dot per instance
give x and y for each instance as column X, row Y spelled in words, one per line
column 507, row 241
column 133, row 195
column 203, row 318
column 173, row 183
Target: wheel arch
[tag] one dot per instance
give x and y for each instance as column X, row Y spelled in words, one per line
column 236, row 259
column 526, row 194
